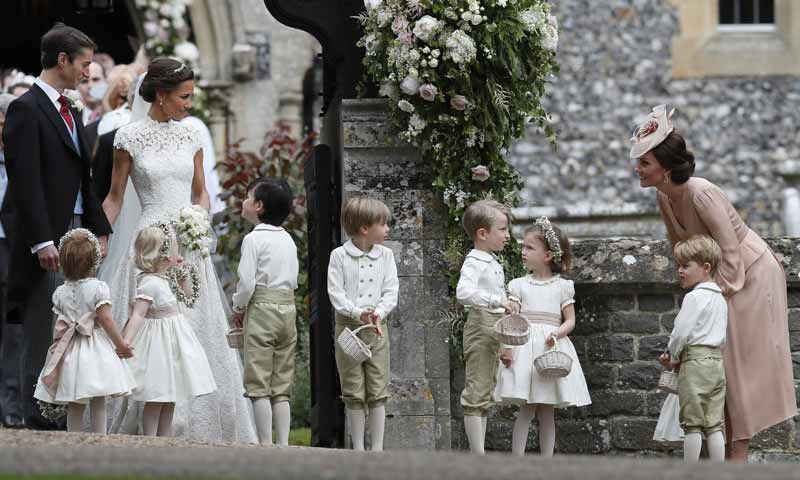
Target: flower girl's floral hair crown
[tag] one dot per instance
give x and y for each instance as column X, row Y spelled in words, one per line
column 550, row 237
column 653, row 131
column 74, row 267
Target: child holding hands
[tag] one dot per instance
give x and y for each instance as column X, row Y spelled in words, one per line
column 481, row 289
column 264, row 305
column 363, row 288
column 170, row 365
column 694, row 348
column 547, row 302
column 83, row 365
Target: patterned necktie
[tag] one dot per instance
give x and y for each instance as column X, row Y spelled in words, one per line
column 64, row 111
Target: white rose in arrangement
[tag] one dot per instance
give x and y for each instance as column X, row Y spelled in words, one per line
column 550, row 37
column 480, row 173
column 435, row 53
column 405, row 106
column 387, row 89
column 413, row 55
column 531, row 19
column 433, row 63
column 409, row 85
column 502, row 3
column 425, row 27
column 459, row 102
column 424, row 63
column 384, row 18
column 187, row 51
column 428, row 92
column 413, row 72
column 372, row 4
column 417, row 123
column 461, row 47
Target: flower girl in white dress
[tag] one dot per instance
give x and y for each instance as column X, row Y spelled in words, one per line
column 83, row 365
column 546, row 301
column 170, row 364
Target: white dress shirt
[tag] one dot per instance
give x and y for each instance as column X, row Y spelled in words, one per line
column 359, row 280
column 481, row 282
column 53, row 95
column 703, row 320
column 269, row 259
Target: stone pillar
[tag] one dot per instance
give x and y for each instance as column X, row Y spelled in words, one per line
column 375, row 163
column 218, row 92
column 790, row 171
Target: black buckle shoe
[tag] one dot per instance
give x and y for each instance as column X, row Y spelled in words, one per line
column 13, row 421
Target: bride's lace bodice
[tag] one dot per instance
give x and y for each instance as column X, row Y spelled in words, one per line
column 162, row 165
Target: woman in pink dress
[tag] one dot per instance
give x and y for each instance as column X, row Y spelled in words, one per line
column 757, row 358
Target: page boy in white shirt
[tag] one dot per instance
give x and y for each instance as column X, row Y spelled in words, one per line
column 481, row 289
column 695, row 348
column 264, row 304
column 363, row 287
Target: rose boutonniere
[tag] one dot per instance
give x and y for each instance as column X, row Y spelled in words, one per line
column 74, row 99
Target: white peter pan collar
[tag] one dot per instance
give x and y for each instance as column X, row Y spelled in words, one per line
column 481, row 255
column 267, row 227
column 708, row 286
column 356, row 252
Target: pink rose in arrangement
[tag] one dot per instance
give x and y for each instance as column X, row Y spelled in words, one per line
column 459, row 102
column 646, row 129
column 406, row 37
column 428, row 92
column 480, row 173
column 400, row 24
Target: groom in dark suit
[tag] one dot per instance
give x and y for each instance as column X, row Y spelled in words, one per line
column 50, row 191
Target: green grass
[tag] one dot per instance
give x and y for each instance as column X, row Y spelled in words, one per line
column 298, row 436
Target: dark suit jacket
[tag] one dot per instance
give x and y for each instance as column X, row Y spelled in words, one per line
column 103, row 164
column 90, row 134
column 45, row 171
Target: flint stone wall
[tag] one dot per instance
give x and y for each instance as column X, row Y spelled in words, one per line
column 626, row 302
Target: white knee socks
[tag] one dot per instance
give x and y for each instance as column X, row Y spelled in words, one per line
column 691, row 446
column 356, row 420
column 474, row 428
column 282, row 419
column 716, row 447
column 519, row 436
column 377, row 423
column 262, row 410
column 97, row 410
column 75, row 417
column 547, row 430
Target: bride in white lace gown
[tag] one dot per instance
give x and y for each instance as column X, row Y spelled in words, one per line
column 164, row 160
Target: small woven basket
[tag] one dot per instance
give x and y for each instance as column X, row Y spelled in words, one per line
column 513, row 330
column 553, row 363
column 668, row 382
column 235, row 337
column 354, row 347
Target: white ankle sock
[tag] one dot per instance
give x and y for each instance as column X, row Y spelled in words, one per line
column 716, row 447
column 356, row 420
column 474, row 428
column 377, row 423
column 282, row 420
column 75, row 417
column 692, row 442
column 547, row 430
column 519, row 436
column 97, row 410
column 262, row 411
column 150, row 417
column 165, row 420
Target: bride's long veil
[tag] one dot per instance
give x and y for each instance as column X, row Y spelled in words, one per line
column 125, row 225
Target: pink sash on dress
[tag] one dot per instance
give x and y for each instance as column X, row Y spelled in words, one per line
column 63, row 336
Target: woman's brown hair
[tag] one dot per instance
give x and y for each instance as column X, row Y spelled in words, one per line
column 566, row 250
column 673, row 156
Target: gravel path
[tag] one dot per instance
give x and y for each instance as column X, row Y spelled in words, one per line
column 29, row 452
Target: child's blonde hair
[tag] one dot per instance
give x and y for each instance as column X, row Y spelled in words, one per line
column 701, row 249
column 147, row 249
column 360, row 212
column 483, row 214
column 76, row 256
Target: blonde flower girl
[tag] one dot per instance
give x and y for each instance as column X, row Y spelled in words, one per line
column 546, row 301
column 83, row 365
column 170, row 365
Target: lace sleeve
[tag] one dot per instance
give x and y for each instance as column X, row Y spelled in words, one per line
column 122, row 140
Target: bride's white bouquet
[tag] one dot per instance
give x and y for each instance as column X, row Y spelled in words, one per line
column 194, row 230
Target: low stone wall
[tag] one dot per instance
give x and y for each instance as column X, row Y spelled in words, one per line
column 626, row 302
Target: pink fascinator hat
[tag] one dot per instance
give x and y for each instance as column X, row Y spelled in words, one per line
column 652, row 132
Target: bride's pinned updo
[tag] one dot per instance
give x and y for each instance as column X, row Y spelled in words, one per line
column 164, row 74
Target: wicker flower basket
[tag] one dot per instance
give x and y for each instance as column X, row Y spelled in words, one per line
column 235, row 337
column 354, row 347
column 513, row 330
column 668, row 382
column 553, row 363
